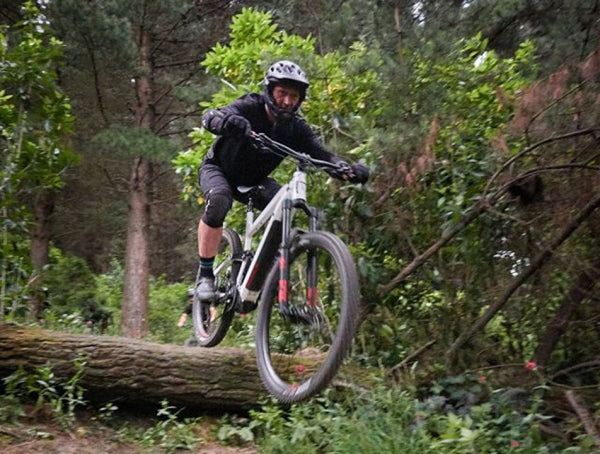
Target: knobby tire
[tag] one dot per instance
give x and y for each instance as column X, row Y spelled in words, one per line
column 297, row 360
column 213, row 318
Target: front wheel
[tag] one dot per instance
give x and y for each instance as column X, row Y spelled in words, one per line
column 213, row 318
column 298, row 358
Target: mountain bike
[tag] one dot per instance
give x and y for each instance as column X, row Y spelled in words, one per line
column 302, row 281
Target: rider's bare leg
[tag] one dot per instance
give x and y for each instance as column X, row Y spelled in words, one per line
column 208, row 239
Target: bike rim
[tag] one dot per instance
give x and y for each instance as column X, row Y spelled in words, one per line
column 301, row 358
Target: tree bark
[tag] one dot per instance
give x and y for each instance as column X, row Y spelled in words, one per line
column 584, row 415
column 136, row 287
column 137, row 374
column 134, row 312
column 43, row 207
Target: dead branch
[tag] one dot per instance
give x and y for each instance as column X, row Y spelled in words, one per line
column 584, row 416
column 412, row 356
column 445, row 239
column 570, row 302
column 587, row 364
column 530, row 148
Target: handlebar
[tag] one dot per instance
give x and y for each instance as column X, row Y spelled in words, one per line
column 265, row 143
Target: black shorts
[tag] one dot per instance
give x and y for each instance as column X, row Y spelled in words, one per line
column 212, row 180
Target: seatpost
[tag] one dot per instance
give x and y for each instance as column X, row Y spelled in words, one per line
column 249, row 221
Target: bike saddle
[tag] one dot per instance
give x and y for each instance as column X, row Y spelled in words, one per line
column 251, row 190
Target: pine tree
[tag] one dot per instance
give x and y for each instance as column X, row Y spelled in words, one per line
column 140, row 62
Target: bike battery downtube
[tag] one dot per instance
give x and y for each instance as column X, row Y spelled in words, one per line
column 266, row 252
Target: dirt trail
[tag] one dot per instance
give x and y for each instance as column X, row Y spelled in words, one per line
column 40, row 438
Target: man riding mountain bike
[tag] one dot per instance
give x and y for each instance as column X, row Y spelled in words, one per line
column 233, row 160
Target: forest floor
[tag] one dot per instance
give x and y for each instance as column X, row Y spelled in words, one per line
column 40, row 435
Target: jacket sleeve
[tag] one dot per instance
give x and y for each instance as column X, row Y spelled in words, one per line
column 214, row 120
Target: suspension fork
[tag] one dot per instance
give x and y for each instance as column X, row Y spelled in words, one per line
column 284, row 255
column 311, row 264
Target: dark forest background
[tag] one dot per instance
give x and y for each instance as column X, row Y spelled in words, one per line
column 476, row 238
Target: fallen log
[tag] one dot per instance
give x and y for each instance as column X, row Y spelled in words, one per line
column 134, row 373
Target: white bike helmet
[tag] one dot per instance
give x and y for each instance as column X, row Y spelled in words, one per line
column 284, row 71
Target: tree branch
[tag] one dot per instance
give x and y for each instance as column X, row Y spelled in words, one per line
column 595, row 363
column 578, row 293
column 413, row 355
column 530, row 148
column 584, row 416
column 536, row 264
column 445, row 239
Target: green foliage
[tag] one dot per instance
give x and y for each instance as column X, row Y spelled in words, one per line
column 15, row 270
column 476, row 91
column 170, row 433
column 466, row 101
column 69, row 282
column 35, row 118
column 107, row 412
column 341, row 93
column 11, row 409
column 40, row 112
column 71, row 296
column 167, row 303
column 79, row 301
column 235, row 430
column 109, row 289
column 42, row 385
column 459, row 414
column 106, row 26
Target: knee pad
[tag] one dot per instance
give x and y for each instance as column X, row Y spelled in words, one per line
column 218, row 203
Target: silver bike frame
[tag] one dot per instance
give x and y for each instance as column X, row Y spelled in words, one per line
column 295, row 191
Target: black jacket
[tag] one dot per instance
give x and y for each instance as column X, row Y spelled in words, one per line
column 241, row 162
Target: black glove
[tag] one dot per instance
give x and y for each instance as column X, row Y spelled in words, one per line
column 235, row 125
column 360, row 174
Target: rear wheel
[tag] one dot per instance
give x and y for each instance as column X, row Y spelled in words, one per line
column 213, row 318
column 297, row 358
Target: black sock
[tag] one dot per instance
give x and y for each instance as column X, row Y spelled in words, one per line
column 206, row 266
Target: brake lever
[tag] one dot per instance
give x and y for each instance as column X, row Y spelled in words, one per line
column 259, row 142
column 343, row 170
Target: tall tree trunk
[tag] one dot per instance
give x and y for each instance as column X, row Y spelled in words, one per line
column 134, row 313
column 43, row 207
